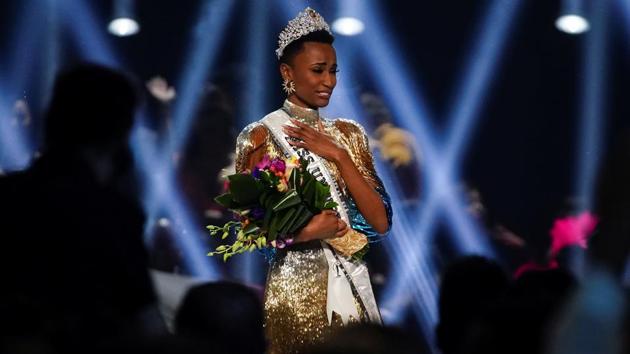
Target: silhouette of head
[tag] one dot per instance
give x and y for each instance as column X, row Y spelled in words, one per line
column 91, row 106
column 469, row 286
column 223, row 314
column 369, row 339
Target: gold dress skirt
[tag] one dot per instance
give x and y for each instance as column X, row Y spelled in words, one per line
column 295, row 299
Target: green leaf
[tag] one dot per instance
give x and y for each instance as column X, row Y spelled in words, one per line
column 318, row 202
column 263, row 197
column 251, row 228
column 308, row 192
column 285, row 220
column 289, row 225
column 291, row 198
column 226, row 200
column 245, row 189
column 358, row 256
column 267, row 218
column 273, row 228
column 272, row 200
column 294, row 178
column 330, row 205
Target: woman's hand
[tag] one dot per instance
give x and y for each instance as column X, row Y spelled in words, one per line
column 322, row 226
column 315, row 141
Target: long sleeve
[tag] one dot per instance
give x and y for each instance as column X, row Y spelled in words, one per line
column 356, row 140
column 251, row 146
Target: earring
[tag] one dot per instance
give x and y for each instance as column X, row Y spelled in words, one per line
column 288, row 86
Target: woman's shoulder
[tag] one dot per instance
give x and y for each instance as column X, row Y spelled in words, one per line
column 257, row 128
column 252, row 135
column 253, row 129
column 348, row 126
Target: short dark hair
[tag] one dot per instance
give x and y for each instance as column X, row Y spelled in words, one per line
column 221, row 313
column 297, row 46
column 91, row 105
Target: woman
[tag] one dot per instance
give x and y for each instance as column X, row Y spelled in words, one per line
column 315, row 285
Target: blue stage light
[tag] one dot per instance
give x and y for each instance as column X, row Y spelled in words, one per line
column 624, row 7
column 348, row 21
column 592, row 108
column 89, row 37
column 572, row 19
column 123, row 22
column 123, row 27
column 162, row 193
column 348, row 26
column 572, row 24
column 17, row 70
column 161, row 187
column 15, row 154
column 206, row 38
column 20, row 61
column 441, row 160
column 480, row 69
column 254, row 97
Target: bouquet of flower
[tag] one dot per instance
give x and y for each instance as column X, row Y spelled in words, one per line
column 270, row 204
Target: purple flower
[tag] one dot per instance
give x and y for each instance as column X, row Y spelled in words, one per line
column 256, row 173
column 257, row 213
column 265, row 163
column 278, row 165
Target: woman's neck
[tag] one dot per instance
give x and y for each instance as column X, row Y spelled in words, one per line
column 298, row 102
column 303, row 114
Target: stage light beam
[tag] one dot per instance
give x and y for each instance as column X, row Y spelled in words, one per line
column 123, row 27
column 348, row 26
column 123, row 23
column 572, row 19
column 592, row 104
column 572, row 24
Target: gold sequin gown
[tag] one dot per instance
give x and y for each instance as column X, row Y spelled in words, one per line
column 297, row 280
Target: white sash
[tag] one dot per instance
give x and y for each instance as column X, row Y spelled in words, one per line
column 340, row 297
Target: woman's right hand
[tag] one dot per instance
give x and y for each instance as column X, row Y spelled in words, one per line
column 322, row 226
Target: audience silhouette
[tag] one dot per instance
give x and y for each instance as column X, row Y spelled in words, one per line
column 75, row 267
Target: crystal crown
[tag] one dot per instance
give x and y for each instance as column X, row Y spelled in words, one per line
column 304, row 23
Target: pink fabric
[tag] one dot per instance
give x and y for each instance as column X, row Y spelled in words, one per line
column 533, row 266
column 572, row 231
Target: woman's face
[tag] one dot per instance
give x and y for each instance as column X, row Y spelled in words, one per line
column 314, row 72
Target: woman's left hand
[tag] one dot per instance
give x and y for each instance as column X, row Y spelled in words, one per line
column 313, row 140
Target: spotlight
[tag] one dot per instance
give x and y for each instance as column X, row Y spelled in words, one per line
column 123, row 27
column 123, row 23
column 164, row 222
column 348, row 26
column 572, row 24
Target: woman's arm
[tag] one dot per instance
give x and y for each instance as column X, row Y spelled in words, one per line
column 251, row 146
column 367, row 199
